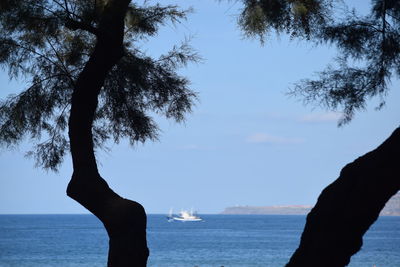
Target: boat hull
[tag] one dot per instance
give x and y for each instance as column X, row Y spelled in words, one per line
column 187, row 220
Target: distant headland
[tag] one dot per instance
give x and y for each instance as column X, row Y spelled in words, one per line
column 268, row 210
column 392, row 208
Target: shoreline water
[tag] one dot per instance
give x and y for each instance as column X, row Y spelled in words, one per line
column 222, row 240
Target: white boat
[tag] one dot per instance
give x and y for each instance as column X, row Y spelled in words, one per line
column 184, row 216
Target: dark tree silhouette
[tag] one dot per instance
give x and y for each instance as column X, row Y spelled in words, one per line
column 369, row 56
column 81, row 58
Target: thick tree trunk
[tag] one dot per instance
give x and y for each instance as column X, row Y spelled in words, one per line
column 349, row 206
column 124, row 220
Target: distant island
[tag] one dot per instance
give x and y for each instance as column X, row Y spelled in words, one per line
column 392, row 208
column 268, row 210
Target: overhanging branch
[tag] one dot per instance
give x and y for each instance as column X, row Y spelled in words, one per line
column 79, row 25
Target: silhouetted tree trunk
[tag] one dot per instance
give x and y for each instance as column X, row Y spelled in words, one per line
column 124, row 220
column 349, row 206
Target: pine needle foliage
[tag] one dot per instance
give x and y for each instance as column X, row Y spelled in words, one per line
column 48, row 42
column 369, row 57
column 298, row 18
column 368, row 47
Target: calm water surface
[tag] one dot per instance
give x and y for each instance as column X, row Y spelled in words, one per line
column 221, row 240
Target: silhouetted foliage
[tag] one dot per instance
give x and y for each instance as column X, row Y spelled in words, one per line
column 368, row 47
column 48, row 42
column 299, row 18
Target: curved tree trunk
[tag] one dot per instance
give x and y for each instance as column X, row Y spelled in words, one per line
column 349, row 206
column 124, row 220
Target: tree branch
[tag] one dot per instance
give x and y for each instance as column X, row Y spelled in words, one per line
column 79, row 25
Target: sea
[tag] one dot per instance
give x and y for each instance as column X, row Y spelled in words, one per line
column 219, row 240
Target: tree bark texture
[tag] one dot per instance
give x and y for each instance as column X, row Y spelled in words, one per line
column 124, row 220
column 348, row 207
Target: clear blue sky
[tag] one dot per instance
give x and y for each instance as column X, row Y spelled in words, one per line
column 246, row 142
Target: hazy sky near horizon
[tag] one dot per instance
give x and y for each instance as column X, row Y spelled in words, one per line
column 246, row 142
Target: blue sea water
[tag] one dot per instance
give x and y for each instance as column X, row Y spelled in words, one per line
column 221, row 240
